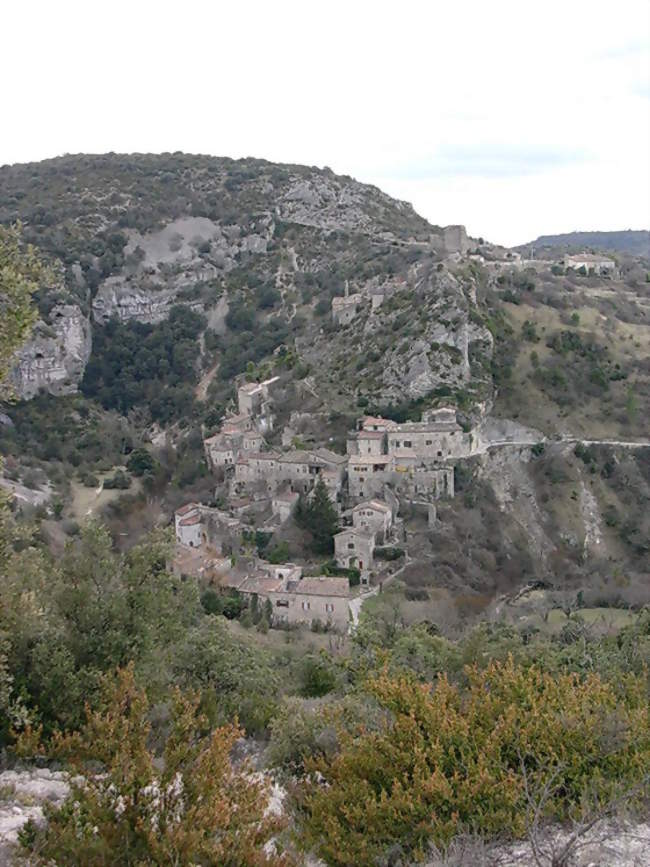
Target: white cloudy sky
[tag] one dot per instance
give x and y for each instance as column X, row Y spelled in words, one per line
column 515, row 118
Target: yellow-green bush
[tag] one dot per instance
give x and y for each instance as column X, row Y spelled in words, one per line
column 453, row 759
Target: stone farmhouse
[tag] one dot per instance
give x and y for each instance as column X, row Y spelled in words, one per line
column 354, row 548
column 590, row 262
column 294, row 598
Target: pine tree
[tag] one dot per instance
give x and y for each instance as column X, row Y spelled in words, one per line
column 322, row 520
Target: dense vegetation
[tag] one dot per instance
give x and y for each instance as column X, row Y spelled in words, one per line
column 413, row 730
column 134, row 364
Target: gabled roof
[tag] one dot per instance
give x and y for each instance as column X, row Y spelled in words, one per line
column 329, row 456
column 355, row 531
column 188, row 507
column 299, row 456
column 377, row 505
column 322, row 585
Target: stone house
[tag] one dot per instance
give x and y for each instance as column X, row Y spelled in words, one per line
column 354, row 549
column 366, row 442
column 257, row 466
column 376, row 423
column 283, row 505
column 295, row 599
column 421, row 479
column 367, row 475
column 373, row 516
column 344, row 309
column 188, row 526
column 439, row 436
column 320, row 598
column 590, row 262
column 252, row 441
column 299, row 468
column 222, row 450
column 253, row 397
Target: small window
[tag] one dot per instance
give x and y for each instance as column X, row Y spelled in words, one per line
column 350, row 546
column 429, row 442
column 282, row 603
column 306, row 606
column 439, row 454
column 329, row 607
column 397, row 444
column 407, row 444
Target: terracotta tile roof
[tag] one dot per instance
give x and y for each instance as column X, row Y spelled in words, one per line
column 190, row 521
column 188, row 507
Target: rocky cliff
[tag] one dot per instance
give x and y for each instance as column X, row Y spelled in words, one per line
column 136, row 235
column 55, row 358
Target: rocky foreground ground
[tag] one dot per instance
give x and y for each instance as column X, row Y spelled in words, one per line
column 23, row 793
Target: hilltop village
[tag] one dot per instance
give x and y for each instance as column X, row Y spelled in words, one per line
column 386, row 463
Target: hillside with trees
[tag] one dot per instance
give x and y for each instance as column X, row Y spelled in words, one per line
column 490, row 687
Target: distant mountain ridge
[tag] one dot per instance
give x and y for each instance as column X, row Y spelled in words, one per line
column 636, row 242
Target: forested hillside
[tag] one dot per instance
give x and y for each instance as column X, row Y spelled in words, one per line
column 176, row 326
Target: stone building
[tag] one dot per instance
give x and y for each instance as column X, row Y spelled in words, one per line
column 590, row 262
column 344, row 309
column 373, row 516
column 283, row 505
column 367, row 475
column 252, row 396
column 366, row 442
column 354, row 549
column 188, row 526
column 295, row 599
column 439, row 437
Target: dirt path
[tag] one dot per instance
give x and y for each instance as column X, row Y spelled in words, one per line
column 201, row 390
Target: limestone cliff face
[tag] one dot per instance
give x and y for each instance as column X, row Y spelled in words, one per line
column 55, row 358
column 163, row 266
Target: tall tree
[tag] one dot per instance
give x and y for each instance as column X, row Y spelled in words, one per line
column 319, row 517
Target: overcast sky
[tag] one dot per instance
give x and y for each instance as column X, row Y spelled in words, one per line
column 514, row 118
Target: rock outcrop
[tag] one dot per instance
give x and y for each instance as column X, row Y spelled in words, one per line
column 55, row 358
column 22, row 796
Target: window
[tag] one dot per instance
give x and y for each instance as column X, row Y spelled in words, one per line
column 282, row 603
column 428, row 442
column 397, row 444
column 439, row 454
column 329, row 607
column 306, row 606
column 407, row 444
column 350, row 546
